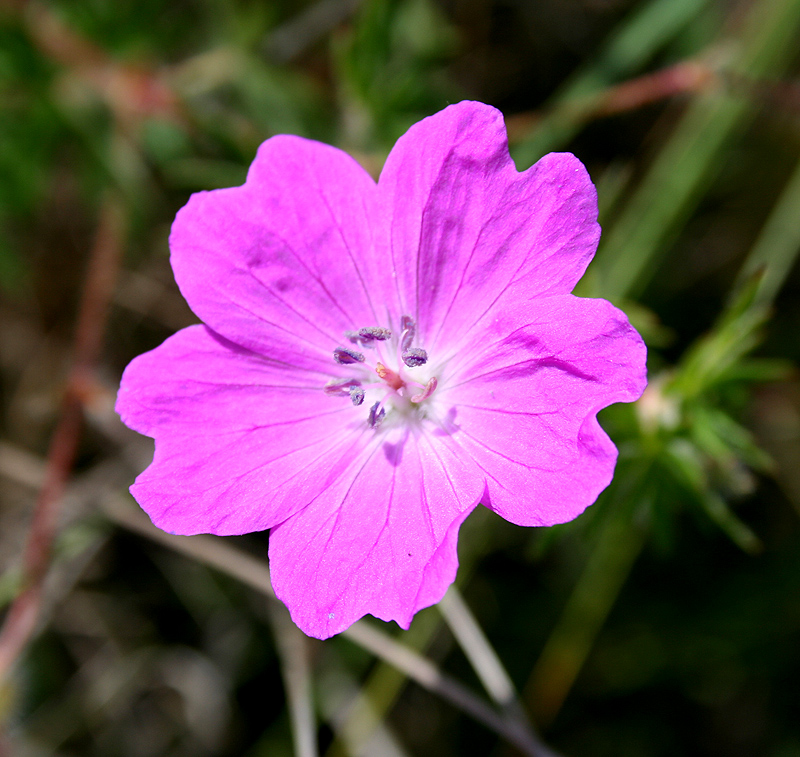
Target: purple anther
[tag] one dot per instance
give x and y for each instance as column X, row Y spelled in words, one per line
column 408, row 330
column 353, row 337
column 346, row 356
column 414, row 357
column 340, row 387
column 356, row 395
column 375, row 415
column 374, row 333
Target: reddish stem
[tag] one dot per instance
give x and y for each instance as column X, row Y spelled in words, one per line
column 688, row 76
column 20, row 622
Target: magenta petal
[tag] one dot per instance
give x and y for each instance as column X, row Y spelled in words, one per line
column 365, row 456
column 527, row 393
column 242, row 442
column 466, row 228
column 278, row 265
column 382, row 540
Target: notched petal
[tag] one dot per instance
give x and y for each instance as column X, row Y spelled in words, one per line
column 382, row 541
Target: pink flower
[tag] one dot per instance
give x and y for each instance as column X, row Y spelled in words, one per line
column 378, row 359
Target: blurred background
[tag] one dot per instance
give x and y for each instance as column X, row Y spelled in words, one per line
column 664, row 621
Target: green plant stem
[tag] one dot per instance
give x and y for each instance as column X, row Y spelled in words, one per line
column 380, row 691
column 617, row 548
column 690, row 160
column 778, row 245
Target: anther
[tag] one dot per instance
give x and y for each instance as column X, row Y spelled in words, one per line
column 347, row 356
column 408, row 329
column 352, row 337
column 374, row 333
column 414, row 357
column 340, row 386
column 375, row 415
column 356, row 395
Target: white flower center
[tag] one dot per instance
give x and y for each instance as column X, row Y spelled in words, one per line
column 387, row 371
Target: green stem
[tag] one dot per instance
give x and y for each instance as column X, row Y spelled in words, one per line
column 584, row 615
column 690, row 160
column 778, row 245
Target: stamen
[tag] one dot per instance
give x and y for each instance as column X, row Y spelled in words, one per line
column 374, row 333
column 347, row 356
column 430, row 388
column 340, row 386
column 376, row 415
column 402, row 388
column 409, row 330
column 413, row 357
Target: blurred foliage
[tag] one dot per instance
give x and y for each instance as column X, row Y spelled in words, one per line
column 666, row 619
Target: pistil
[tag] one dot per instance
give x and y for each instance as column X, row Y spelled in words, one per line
column 390, row 377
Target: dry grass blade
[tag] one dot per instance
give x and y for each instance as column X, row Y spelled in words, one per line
column 254, row 572
column 292, row 648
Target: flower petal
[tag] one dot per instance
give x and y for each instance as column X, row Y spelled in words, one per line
column 277, row 265
column 382, row 540
column 465, row 227
column 526, row 401
column 242, row 443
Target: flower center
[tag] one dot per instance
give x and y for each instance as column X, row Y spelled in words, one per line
column 383, row 365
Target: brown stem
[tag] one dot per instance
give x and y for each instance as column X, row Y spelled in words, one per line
column 20, row 622
column 689, row 76
column 684, row 77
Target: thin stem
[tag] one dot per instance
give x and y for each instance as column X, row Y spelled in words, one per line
column 634, row 42
column 691, row 158
column 254, row 572
column 571, row 641
column 353, row 715
column 778, row 245
column 210, row 550
column 477, row 648
column 427, row 675
column 680, row 78
column 292, row 646
column 380, row 691
column 484, row 660
column 22, row 617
